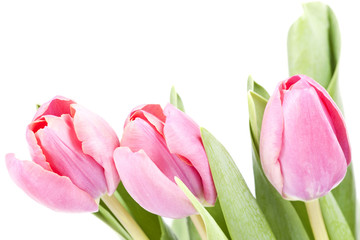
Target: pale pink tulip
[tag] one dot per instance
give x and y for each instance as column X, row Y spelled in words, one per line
column 156, row 147
column 72, row 151
column 304, row 146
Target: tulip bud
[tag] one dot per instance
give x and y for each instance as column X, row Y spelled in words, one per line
column 72, row 152
column 304, row 146
column 156, row 147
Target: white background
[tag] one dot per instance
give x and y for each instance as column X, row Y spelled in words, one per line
column 111, row 56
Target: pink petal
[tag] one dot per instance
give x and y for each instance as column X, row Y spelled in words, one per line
column 183, row 138
column 311, row 158
column 48, row 188
column 335, row 116
column 35, row 150
column 152, row 113
column 57, row 106
column 149, row 186
column 99, row 140
column 64, row 154
column 139, row 135
column 154, row 109
column 271, row 140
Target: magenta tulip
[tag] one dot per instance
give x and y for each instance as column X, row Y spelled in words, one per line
column 156, row 147
column 304, row 146
column 72, row 151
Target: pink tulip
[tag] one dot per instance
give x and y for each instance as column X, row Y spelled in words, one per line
column 157, row 146
column 72, row 151
column 304, row 146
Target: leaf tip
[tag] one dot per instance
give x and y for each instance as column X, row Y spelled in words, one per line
column 250, row 83
column 204, row 132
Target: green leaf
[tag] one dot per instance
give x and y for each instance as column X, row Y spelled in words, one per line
column 314, row 44
column 336, row 225
column 257, row 88
column 257, row 100
column 333, row 90
column 175, row 100
column 358, row 221
column 345, row 196
column 300, row 208
column 212, row 229
column 166, row 232
column 217, row 214
column 243, row 216
column 334, row 35
column 256, row 105
column 184, row 229
column 314, row 50
column 181, row 229
column 107, row 217
column 148, row 222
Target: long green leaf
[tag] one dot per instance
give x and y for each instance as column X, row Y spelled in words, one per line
column 310, row 45
column 345, row 195
column 335, row 44
column 166, row 232
column 180, row 228
column 314, row 50
column 300, row 208
column 148, row 222
column 184, row 229
column 107, row 217
column 243, row 216
column 256, row 104
column 212, row 229
column 281, row 215
column 358, row 221
column 336, row 225
column 217, row 214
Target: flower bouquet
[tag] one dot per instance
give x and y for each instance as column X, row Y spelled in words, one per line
column 168, row 178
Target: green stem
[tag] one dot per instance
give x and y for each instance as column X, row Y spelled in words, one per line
column 124, row 217
column 316, row 220
column 199, row 225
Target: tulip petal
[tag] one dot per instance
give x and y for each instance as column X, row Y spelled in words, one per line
column 335, row 116
column 271, row 140
column 183, row 138
column 57, row 106
column 153, row 109
column 35, row 151
column 149, row 186
column 138, row 134
column 64, row 154
column 316, row 163
column 152, row 113
column 98, row 140
column 48, row 188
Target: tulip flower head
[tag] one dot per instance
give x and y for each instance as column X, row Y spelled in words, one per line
column 72, row 152
column 304, row 146
column 156, row 147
